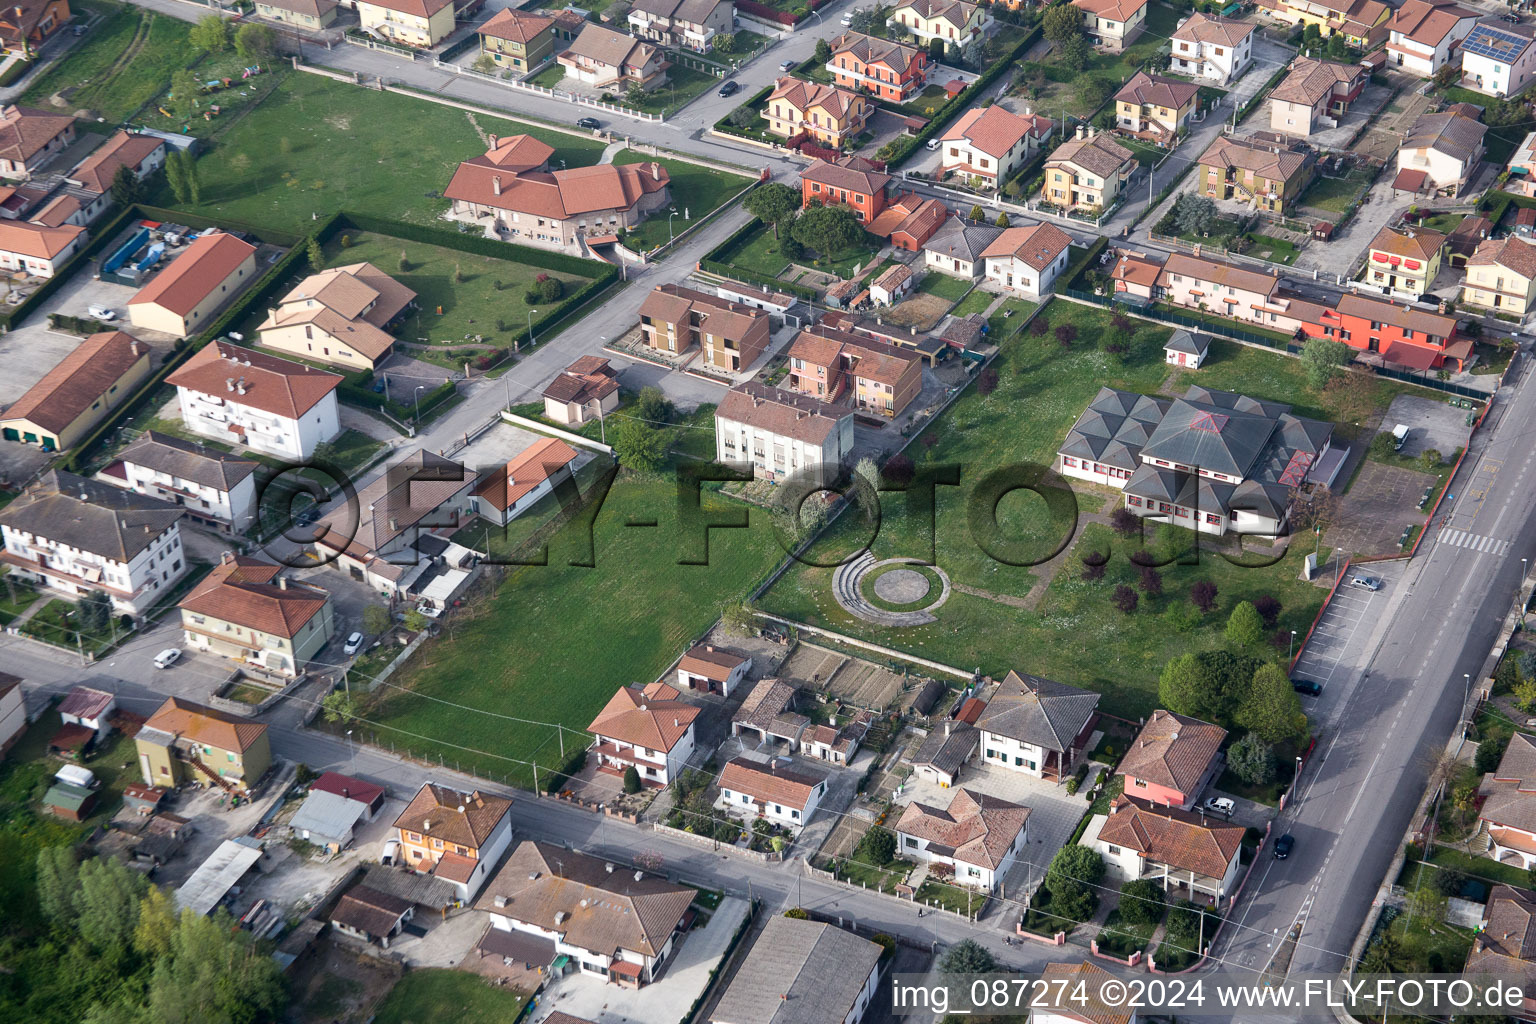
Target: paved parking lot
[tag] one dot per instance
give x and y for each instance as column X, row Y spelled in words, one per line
column 1321, row 659
column 1381, row 503
column 1431, row 422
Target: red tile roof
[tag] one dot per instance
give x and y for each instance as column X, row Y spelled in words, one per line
column 347, row 786
column 980, row 829
column 125, row 149
column 206, row 264
column 205, row 725
column 1172, row 750
column 272, row 385
column 1179, row 839
column 467, row 819
column 531, row 467
column 247, row 592
column 774, row 782
column 517, row 26
column 80, row 379
column 558, row 194
column 649, row 717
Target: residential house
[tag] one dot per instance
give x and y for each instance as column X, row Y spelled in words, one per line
column 851, row 181
column 13, row 712
column 827, row 113
column 956, row 248
column 569, row 22
column 1465, row 237
column 830, row 364
column 991, row 143
column 1223, row 288
column 1215, row 460
column 1404, row 262
column 1504, row 947
column 30, row 138
column 1362, row 23
column 585, row 390
column 1315, row 95
column 889, row 71
column 1036, row 726
column 1186, row 349
column 209, row 273
column 1501, row 276
column 371, row 796
column 648, row 728
column 1190, row 856
column 606, row 59
column 892, row 286
column 1268, row 176
column 143, row 155
column 1092, row 1008
column 506, row 493
column 777, row 790
column 341, row 316
column 215, row 488
column 88, row 710
column 674, row 318
column 946, row 749
column 394, row 535
column 510, row 192
column 1113, row 25
column 234, row 394
column 1424, row 35
column 801, row 972
column 1027, row 260
column 247, row 610
column 682, row 24
column 767, row 713
column 74, row 535
column 1440, row 154
column 26, row 24
column 417, row 23
column 313, row 15
column 78, row 393
column 1172, row 759
column 1498, row 59
column 613, row 922
column 977, row 836
column 518, row 40
column 1398, row 333
column 1508, row 811
column 956, row 22
column 328, row 820
column 782, row 433
column 1213, row 49
column 38, row 250
column 836, row 744
column 1155, row 108
column 454, row 836
column 1136, row 276
column 1087, row 172
column 183, row 742
column 370, row 915
column 909, row 221
column 712, row 669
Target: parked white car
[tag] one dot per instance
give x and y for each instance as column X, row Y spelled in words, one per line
column 103, row 313
column 353, row 645
column 1220, row 804
column 168, row 657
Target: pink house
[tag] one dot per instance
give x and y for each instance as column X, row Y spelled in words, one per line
column 1172, row 760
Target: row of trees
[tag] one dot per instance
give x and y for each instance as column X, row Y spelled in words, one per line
column 829, row 231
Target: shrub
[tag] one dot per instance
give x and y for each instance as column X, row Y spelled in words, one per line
column 1038, row 326
column 1125, row 599
column 631, row 780
column 798, row 914
column 1203, row 596
column 1141, row 901
column 550, row 289
column 1244, row 627
column 877, row 847
column 1150, row 581
column 1252, row 760
column 1268, row 608
column 531, row 297
column 1125, row 522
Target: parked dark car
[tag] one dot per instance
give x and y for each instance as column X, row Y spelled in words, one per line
column 1307, row 687
column 730, row 89
column 589, row 123
column 1284, row 845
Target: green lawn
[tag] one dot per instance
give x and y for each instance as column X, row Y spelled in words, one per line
column 957, row 898
column 1222, row 323
column 627, row 635
column 683, row 85
column 55, row 623
column 549, row 77
column 1480, row 867
column 1145, row 155
column 471, row 306
column 1443, row 222
column 231, row 101
column 1074, row 634
column 976, row 302
column 944, row 286
column 861, row 873
column 1276, row 250
column 125, row 60
column 1335, row 194
column 1121, row 938
column 696, row 192
column 1008, row 318
column 439, row 994
column 505, row 541
column 316, row 145
column 761, row 254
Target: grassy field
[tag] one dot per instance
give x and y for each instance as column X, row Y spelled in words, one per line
column 314, row 146
column 1335, row 194
column 634, row 612
column 762, row 254
column 1276, row 250
column 683, row 85
column 125, row 61
column 460, row 996
column 549, row 77
column 1042, row 389
column 696, row 192
column 944, row 286
column 472, row 305
column 231, row 101
column 976, row 302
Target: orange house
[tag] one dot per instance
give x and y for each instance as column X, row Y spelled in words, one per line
column 852, row 182
column 453, row 836
column 880, row 67
column 24, row 25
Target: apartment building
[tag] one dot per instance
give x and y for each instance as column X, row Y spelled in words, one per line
column 235, row 395
column 838, row 366
column 673, row 319
column 782, row 433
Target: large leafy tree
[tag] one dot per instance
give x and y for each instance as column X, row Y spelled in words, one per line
column 639, row 445
column 1323, row 358
column 829, row 230
column 1062, row 22
column 1245, row 627
column 1193, row 213
column 1207, row 685
column 967, row 957
column 255, row 42
column 211, row 33
column 773, row 203
column 1271, row 709
column 1252, row 760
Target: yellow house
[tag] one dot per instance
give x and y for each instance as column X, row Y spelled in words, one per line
column 340, row 316
column 419, row 23
column 1501, row 276
column 247, row 611
column 77, row 394
column 1404, row 262
column 518, row 40
column 187, row 742
column 1155, row 107
column 956, row 22
column 1362, row 23
column 828, row 114
column 1087, row 171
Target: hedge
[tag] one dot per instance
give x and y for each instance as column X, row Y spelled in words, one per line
column 478, row 244
column 756, row 101
column 1066, row 278
column 761, row 280
column 723, row 252
column 904, row 147
column 286, row 239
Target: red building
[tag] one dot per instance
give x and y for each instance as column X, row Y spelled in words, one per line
column 909, row 221
column 1413, row 338
column 851, row 181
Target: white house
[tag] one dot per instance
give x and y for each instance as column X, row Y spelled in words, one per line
column 504, row 495
column 13, row 711
column 1498, row 59
column 89, row 708
column 1440, row 154
column 1508, row 812
column 892, row 286
column 1189, row 855
column 1424, row 35
column 1211, row 49
column 74, row 535
column 782, row 433
column 1035, row 726
column 825, row 974
column 976, row 836
column 1187, row 350
column 648, row 728
column 36, row 249
column 990, row 143
column 956, row 248
column 233, row 394
column 777, row 791
column 614, row 922
column 217, row 489
column 1027, row 260
column 711, row 669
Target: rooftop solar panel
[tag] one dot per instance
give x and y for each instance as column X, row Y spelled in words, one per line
column 1494, row 43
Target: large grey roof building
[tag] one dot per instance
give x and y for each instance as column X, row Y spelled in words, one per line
column 1037, row 711
column 801, row 972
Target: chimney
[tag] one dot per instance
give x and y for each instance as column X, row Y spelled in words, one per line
column 1092, row 131
column 496, row 185
column 1081, row 133
column 608, row 867
column 426, row 826
column 674, row 723
column 492, row 140
column 500, row 901
column 639, row 875
column 282, row 584
column 709, row 647
column 229, row 383
column 226, row 557
column 655, row 170
column 133, row 346
column 240, row 385
column 394, row 525
column 949, row 726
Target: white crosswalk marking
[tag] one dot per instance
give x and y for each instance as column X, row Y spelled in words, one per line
column 1475, row 542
